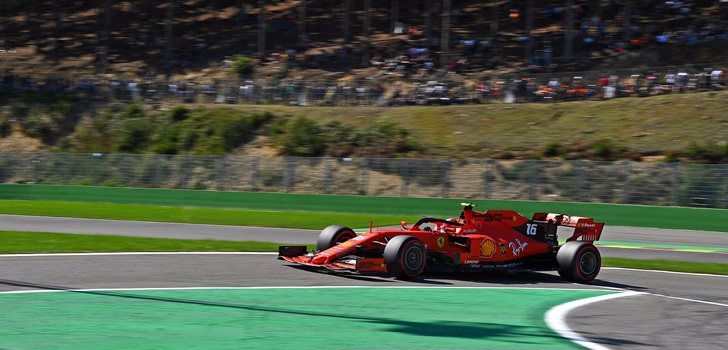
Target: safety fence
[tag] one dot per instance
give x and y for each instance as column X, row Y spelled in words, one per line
column 697, row 185
column 433, row 89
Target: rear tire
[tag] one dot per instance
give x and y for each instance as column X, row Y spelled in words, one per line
column 579, row 261
column 405, row 257
column 333, row 235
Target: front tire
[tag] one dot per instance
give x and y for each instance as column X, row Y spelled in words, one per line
column 579, row 261
column 405, row 257
column 333, row 235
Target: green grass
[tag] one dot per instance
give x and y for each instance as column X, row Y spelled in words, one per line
column 669, row 122
column 215, row 216
column 310, row 211
column 34, row 242
column 14, row 242
column 667, row 265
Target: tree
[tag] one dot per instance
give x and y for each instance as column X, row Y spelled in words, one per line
column 494, row 21
column 627, row 19
column 445, row 39
column 568, row 34
column 346, row 13
column 105, row 28
column 394, row 15
column 168, row 36
column 367, row 35
column 529, row 29
column 261, row 29
column 427, row 16
column 302, row 23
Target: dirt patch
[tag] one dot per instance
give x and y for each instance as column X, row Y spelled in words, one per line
column 18, row 142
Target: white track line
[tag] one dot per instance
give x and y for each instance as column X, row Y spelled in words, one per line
column 556, row 318
column 287, row 287
column 688, row 299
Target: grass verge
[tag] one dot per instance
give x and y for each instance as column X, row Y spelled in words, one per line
column 15, row 242
column 213, row 216
column 667, row 265
column 45, row 200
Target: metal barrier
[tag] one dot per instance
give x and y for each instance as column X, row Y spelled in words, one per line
column 696, row 185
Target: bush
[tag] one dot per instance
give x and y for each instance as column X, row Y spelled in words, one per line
column 709, row 152
column 179, row 114
column 301, row 137
column 5, row 126
column 552, row 150
column 134, row 136
column 210, row 131
column 304, row 137
column 134, row 111
column 242, row 65
column 38, row 125
column 63, row 106
column 607, row 150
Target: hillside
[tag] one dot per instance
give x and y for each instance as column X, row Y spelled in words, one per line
column 678, row 126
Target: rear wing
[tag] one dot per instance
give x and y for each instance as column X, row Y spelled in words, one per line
column 585, row 229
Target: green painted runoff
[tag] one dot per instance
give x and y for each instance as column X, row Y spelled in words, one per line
column 262, row 318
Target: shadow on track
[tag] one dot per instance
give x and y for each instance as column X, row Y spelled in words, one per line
column 514, row 334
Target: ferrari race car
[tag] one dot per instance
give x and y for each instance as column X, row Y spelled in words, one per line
column 493, row 240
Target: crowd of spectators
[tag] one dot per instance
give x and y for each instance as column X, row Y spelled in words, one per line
column 515, row 89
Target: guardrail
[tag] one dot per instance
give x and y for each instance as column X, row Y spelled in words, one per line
column 680, row 184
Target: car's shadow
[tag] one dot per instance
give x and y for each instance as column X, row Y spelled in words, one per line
column 474, row 279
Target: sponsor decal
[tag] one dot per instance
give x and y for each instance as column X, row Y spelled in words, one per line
column 358, row 238
column 347, row 244
column 470, row 262
column 517, row 247
column 487, row 248
column 503, row 249
column 514, row 218
column 470, row 230
column 440, row 242
column 588, row 225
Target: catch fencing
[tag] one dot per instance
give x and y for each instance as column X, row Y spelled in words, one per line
column 680, row 184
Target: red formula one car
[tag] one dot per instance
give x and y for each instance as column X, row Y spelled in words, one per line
column 476, row 241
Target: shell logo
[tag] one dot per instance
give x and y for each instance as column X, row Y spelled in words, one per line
column 487, row 248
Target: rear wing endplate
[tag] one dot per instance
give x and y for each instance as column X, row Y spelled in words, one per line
column 585, row 229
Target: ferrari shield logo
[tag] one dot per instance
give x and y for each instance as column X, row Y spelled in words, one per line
column 487, row 248
column 440, row 242
column 503, row 249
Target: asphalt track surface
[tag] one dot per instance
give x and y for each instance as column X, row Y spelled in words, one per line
column 300, row 236
column 675, row 311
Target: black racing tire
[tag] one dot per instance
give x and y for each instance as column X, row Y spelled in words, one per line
column 405, row 257
column 579, row 261
column 333, row 235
